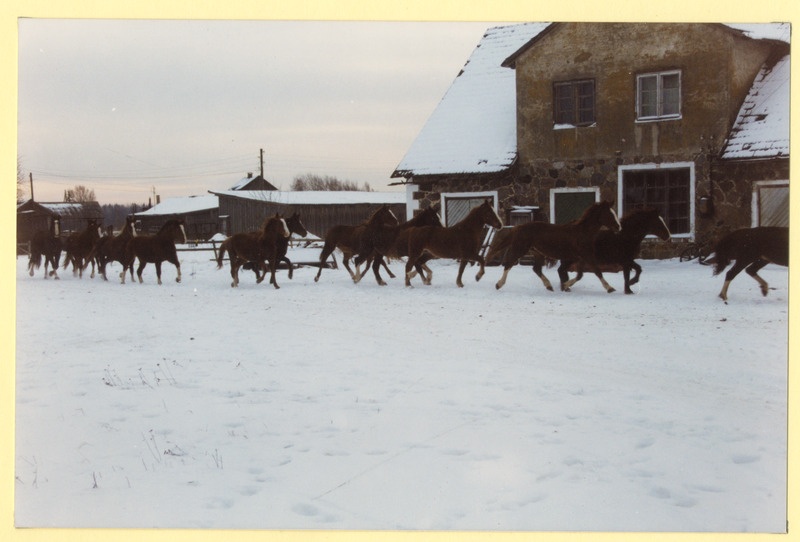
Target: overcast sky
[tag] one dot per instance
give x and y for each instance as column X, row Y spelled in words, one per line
column 126, row 107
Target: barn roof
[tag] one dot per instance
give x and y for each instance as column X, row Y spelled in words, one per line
column 63, row 209
column 308, row 197
column 181, row 206
column 473, row 129
column 761, row 129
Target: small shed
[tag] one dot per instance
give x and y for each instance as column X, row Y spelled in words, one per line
column 243, row 211
column 200, row 214
column 33, row 216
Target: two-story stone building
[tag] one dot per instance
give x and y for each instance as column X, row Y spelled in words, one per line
column 548, row 118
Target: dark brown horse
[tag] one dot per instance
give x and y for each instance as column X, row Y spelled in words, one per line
column 620, row 248
column 391, row 241
column 112, row 248
column 79, row 245
column 459, row 242
column 347, row 239
column 751, row 249
column 244, row 247
column 570, row 242
column 296, row 227
column 47, row 244
column 154, row 249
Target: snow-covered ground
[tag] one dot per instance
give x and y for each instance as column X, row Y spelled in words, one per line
column 338, row 406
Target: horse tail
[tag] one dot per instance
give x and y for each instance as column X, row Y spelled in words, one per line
column 723, row 254
column 221, row 254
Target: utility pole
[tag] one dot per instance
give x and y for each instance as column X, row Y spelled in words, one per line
column 261, row 160
column 31, row 178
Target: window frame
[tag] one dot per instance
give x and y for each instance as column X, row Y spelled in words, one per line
column 692, row 196
column 574, row 86
column 659, row 92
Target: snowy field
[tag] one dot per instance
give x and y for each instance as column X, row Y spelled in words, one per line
column 338, row 406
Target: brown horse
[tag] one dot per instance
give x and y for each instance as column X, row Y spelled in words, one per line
column 347, row 239
column 620, row 248
column 154, row 249
column 112, row 249
column 751, row 249
column 459, row 242
column 571, row 242
column 389, row 241
column 79, row 245
column 244, row 247
column 296, row 227
column 47, row 244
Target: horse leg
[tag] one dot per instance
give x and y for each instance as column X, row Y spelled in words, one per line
column 158, row 271
column 288, row 263
column 637, row 269
column 461, row 267
column 322, row 257
column 139, row 269
column 563, row 274
column 729, row 276
column 538, row 263
column 376, row 269
column 273, row 266
column 174, row 261
column 753, row 270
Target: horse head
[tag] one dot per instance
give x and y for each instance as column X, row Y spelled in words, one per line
column 130, row 225
column 489, row 215
column 383, row 216
column 657, row 226
column 295, row 226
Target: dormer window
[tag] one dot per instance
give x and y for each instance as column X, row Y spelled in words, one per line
column 573, row 103
column 658, row 96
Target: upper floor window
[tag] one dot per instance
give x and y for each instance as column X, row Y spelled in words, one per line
column 658, row 95
column 573, row 103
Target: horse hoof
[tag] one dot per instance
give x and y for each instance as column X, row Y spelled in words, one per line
column 611, row 290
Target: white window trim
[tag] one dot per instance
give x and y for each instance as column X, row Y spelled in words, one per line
column 554, row 191
column 659, row 117
column 754, row 214
column 672, row 165
column 462, row 195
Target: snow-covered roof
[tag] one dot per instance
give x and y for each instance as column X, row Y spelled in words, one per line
column 241, row 183
column 474, row 128
column 179, row 206
column 308, row 197
column 765, row 31
column 761, row 129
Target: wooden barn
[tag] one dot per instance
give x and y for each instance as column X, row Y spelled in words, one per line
column 33, row 216
column 243, row 211
column 200, row 214
column 551, row 117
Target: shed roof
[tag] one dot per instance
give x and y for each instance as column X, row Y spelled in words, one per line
column 473, row 129
column 308, row 197
column 761, row 129
column 64, row 209
column 182, row 205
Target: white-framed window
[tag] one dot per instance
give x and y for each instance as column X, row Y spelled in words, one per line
column 658, row 95
column 457, row 205
column 668, row 187
column 568, row 204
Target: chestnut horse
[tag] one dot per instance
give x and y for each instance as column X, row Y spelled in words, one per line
column 295, row 227
column 751, row 249
column 46, row 243
column 112, row 249
column 347, row 239
column 459, row 242
column 570, row 242
column 244, row 247
column 154, row 249
column 390, row 242
column 620, row 248
column 79, row 245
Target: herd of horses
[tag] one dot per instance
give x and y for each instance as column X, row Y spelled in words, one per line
column 597, row 241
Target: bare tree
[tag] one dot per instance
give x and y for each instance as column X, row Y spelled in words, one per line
column 79, row 194
column 20, row 181
column 311, row 181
